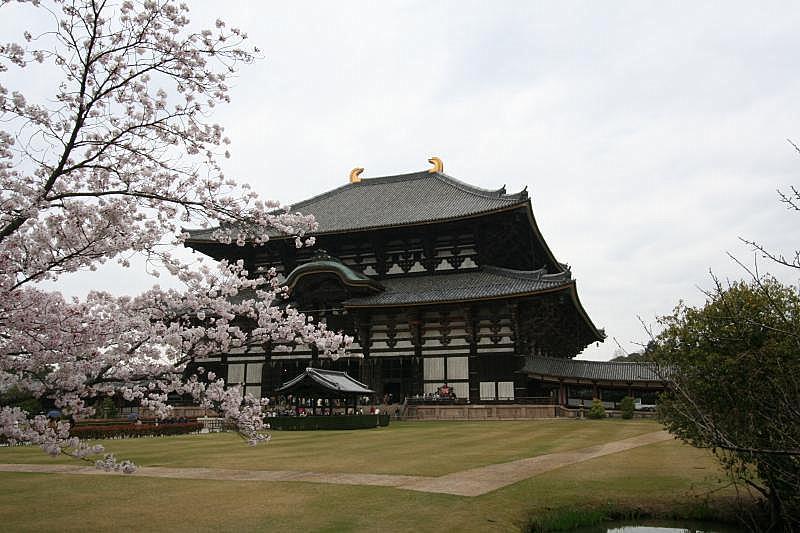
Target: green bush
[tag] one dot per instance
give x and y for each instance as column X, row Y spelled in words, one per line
column 627, row 407
column 91, row 431
column 304, row 423
column 597, row 411
column 567, row 520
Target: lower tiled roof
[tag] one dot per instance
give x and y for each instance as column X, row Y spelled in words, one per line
column 592, row 370
column 487, row 282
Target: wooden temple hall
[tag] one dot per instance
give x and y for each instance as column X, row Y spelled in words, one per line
column 442, row 284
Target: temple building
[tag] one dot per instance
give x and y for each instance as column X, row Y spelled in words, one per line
column 440, row 282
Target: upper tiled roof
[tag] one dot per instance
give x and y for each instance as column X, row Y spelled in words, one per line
column 487, row 282
column 591, row 370
column 395, row 201
column 327, row 379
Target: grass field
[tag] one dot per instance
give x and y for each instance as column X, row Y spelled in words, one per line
column 658, row 478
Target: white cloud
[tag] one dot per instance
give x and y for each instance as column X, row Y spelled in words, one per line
column 651, row 136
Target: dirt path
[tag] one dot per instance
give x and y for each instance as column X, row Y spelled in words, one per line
column 472, row 482
column 223, row 474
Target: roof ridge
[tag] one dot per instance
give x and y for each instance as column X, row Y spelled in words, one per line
column 527, row 274
column 315, row 372
column 412, row 176
column 364, row 182
column 533, row 275
column 408, row 176
column 538, row 274
column 323, row 371
column 479, row 191
column 381, row 202
column 326, row 194
column 592, row 360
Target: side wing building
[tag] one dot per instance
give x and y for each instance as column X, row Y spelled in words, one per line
column 440, row 283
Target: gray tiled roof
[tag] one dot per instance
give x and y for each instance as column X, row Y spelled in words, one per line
column 328, row 379
column 484, row 283
column 591, row 370
column 397, row 200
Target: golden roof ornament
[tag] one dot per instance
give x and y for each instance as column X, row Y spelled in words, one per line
column 355, row 175
column 438, row 166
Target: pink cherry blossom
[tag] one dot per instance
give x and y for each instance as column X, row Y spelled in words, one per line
column 115, row 162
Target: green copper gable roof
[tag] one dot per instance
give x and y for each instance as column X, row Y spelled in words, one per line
column 347, row 275
column 405, row 199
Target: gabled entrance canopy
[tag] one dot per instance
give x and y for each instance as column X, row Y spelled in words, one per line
column 317, row 388
column 319, row 383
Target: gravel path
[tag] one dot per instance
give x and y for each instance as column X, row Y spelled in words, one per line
column 472, row 482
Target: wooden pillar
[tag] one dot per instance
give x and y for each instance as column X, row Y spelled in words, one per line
column 363, row 329
column 474, row 361
column 377, row 371
column 415, row 332
column 516, row 333
column 381, row 266
column 429, row 261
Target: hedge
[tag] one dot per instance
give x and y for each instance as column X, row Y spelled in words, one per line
column 306, row 423
column 133, row 430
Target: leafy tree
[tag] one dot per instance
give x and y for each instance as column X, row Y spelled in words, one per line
column 733, row 366
column 644, row 356
column 113, row 162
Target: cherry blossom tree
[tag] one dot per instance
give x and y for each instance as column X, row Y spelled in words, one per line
column 113, row 162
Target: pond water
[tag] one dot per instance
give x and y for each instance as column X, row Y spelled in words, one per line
column 644, row 526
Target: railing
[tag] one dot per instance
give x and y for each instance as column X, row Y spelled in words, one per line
column 211, row 424
column 527, row 400
column 437, row 401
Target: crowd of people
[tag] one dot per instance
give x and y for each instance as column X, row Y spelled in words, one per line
column 299, row 406
column 441, row 394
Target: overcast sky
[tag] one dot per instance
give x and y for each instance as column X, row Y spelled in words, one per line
column 651, row 137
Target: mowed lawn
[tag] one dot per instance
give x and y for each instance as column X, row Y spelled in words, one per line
column 655, row 478
column 413, row 448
